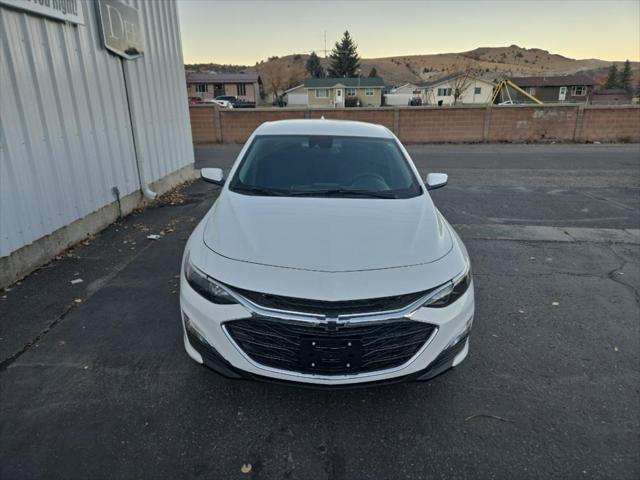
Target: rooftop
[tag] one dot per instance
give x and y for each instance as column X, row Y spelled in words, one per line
column 451, row 76
column 223, row 78
column 344, row 128
column 362, row 82
column 560, row 81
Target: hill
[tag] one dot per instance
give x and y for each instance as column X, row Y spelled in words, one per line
column 491, row 62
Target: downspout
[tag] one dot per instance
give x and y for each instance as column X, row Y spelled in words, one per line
column 144, row 186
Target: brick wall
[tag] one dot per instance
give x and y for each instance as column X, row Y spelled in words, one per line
column 203, row 124
column 532, row 124
column 381, row 116
column 239, row 124
column 608, row 124
column 432, row 125
column 468, row 124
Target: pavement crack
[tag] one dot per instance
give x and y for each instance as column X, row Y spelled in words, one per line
column 611, row 275
column 6, row 363
column 92, row 289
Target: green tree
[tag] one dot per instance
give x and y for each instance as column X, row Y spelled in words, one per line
column 314, row 67
column 373, row 72
column 625, row 76
column 612, row 78
column 344, row 58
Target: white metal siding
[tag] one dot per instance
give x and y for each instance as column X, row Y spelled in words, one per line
column 65, row 136
column 157, row 90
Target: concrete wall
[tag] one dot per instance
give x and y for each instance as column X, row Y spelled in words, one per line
column 464, row 124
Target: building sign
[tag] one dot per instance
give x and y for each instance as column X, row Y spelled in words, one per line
column 67, row 10
column 121, row 28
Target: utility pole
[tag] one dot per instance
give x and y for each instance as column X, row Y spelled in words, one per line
column 325, row 44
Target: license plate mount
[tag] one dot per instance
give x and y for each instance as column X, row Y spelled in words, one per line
column 330, row 355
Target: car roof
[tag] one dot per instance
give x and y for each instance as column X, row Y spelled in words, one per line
column 345, row 128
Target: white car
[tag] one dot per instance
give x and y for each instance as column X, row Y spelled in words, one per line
column 220, row 103
column 324, row 261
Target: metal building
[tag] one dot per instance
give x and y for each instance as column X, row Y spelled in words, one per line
column 81, row 126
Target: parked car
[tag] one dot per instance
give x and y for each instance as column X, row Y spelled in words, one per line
column 324, row 261
column 220, row 103
column 227, row 98
column 236, row 102
column 510, row 102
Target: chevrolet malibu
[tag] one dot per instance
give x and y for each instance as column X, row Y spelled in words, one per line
column 324, row 261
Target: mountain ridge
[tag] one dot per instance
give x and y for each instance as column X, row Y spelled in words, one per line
column 490, row 62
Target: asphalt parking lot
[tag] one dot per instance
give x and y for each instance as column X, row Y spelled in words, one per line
column 94, row 382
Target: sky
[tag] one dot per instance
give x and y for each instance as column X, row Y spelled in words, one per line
column 244, row 32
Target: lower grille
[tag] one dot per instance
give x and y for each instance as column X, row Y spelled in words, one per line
column 313, row 349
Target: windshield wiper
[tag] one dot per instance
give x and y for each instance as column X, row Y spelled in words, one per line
column 342, row 192
column 253, row 190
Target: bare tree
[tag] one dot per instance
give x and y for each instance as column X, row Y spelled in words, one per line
column 275, row 78
column 461, row 83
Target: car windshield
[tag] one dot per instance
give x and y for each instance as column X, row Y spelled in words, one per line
column 325, row 166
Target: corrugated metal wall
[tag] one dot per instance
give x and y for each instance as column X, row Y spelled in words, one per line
column 65, row 130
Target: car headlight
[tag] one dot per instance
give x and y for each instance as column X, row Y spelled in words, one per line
column 451, row 291
column 206, row 286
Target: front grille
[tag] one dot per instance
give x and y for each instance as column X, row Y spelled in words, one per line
column 314, row 349
column 322, row 307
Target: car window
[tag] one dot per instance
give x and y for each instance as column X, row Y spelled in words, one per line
column 309, row 165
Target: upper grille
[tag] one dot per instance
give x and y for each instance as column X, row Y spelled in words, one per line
column 313, row 349
column 331, row 309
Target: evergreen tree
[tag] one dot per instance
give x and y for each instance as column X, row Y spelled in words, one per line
column 373, row 73
column 612, row 79
column 625, row 76
column 344, row 58
column 313, row 66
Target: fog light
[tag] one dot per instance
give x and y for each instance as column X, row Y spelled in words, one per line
column 463, row 334
column 192, row 329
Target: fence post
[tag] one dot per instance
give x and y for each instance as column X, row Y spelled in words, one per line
column 579, row 119
column 487, row 124
column 218, row 124
column 396, row 122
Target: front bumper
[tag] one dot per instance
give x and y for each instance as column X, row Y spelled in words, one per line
column 209, row 343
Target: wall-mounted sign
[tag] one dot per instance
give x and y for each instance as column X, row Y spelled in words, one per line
column 121, row 28
column 67, row 10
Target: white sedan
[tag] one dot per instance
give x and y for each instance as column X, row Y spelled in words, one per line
column 324, row 261
column 220, row 103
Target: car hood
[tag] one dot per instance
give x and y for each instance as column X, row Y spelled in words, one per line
column 327, row 234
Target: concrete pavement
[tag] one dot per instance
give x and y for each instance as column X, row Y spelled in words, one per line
column 94, row 382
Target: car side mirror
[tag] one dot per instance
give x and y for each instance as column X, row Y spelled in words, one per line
column 436, row 180
column 213, row 175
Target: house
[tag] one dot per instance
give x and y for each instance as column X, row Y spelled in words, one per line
column 344, row 92
column 207, row 86
column 474, row 90
column 611, row 96
column 568, row 88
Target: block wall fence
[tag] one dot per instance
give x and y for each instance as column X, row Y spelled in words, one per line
column 463, row 124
